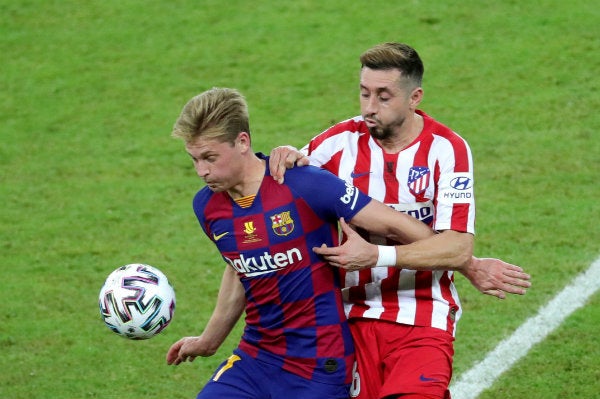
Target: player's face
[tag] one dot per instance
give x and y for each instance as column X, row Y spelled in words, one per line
column 217, row 163
column 384, row 102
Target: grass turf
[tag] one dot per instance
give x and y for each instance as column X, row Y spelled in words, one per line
column 91, row 179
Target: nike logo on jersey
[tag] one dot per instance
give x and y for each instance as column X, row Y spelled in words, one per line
column 217, row 237
column 355, row 175
column 426, row 379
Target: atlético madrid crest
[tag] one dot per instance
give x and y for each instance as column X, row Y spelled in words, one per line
column 418, row 179
column 282, row 223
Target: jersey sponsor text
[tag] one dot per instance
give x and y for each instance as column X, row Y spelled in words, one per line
column 265, row 263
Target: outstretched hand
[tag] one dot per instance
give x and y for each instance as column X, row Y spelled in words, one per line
column 285, row 157
column 354, row 254
column 187, row 349
column 496, row 277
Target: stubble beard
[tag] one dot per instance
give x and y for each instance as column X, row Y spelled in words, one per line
column 384, row 132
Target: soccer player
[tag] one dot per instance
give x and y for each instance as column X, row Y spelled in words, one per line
column 403, row 318
column 296, row 342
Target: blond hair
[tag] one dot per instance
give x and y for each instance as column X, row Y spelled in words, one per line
column 218, row 113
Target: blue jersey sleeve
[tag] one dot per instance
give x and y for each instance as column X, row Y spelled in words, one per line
column 199, row 203
column 328, row 195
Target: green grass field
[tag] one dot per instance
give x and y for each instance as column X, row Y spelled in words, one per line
column 92, row 180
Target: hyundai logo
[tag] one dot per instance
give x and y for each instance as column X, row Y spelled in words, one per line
column 461, row 183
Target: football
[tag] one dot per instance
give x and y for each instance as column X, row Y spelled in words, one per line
column 137, row 301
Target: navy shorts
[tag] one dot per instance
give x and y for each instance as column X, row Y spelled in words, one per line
column 243, row 377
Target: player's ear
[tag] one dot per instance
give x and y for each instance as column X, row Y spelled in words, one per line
column 415, row 97
column 243, row 140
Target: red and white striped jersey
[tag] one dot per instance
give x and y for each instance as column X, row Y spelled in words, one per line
column 431, row 180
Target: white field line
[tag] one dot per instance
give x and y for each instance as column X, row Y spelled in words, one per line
column 483, row 374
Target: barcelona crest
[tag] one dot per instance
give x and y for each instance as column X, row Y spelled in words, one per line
column 282, row 223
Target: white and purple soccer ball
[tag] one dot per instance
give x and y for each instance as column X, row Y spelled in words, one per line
column 137, row 301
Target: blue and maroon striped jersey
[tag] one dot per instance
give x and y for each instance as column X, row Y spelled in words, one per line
column 294, row 312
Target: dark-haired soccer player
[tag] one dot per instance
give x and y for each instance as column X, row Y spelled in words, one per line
column 403, row 318
column 296, row 342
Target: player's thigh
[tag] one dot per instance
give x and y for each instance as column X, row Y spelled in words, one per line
column 237, row 377
column 412, row 396
column 291, row 386
column 366, row 375
column 421, row 365
column 417, row 396
column 243, row 377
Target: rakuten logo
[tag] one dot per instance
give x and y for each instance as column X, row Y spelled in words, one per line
column 265, row 263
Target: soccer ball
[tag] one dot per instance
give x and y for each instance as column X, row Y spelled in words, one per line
column 137, row 301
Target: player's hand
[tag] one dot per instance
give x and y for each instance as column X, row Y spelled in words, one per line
column 285, row 157
column 496, row 277
column 187, row 349
column 354, row 254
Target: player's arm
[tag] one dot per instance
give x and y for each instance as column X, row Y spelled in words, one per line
column 230, row 305
column 425, row 250
column 448, row 250
column 285, row 157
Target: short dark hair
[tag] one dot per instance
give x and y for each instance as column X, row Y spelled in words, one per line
column 398, row 56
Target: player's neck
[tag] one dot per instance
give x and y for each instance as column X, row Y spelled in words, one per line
column 252, row 178
column 404, row 136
